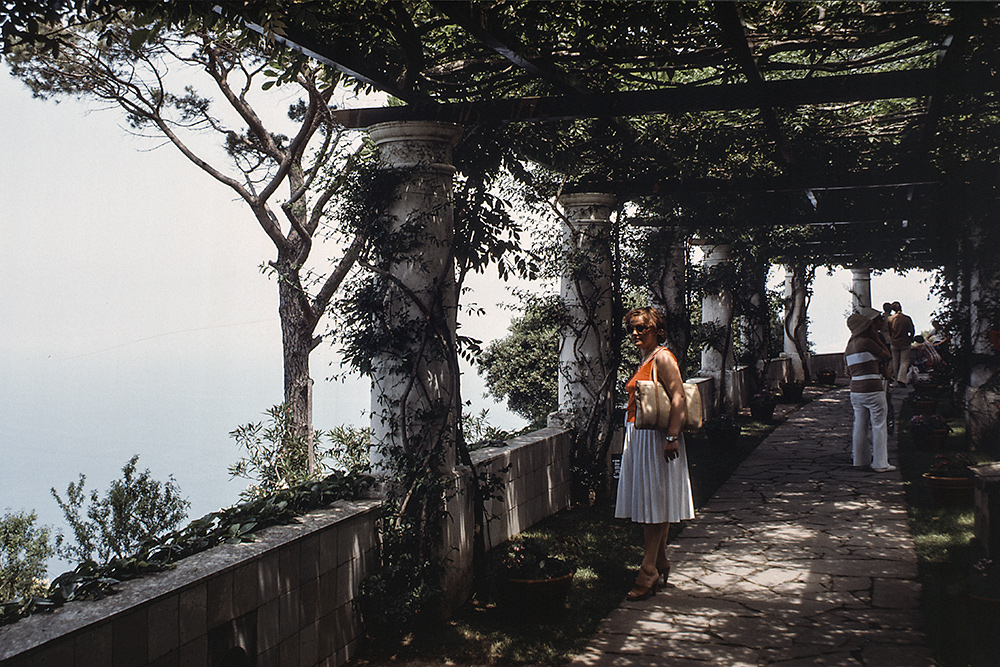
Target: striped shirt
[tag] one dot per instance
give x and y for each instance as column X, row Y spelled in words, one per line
column 862, row 356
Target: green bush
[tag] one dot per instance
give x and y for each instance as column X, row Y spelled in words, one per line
column 133, row 509
column 523, row 367
column 348, row 450
column 24, row 548
column 277, row 457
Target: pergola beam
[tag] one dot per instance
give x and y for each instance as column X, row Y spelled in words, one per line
column 734, row 31
column 339, row 57
column 486, row 29
column 724, row 97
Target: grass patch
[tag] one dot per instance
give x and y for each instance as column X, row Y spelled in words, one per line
column 606, row 552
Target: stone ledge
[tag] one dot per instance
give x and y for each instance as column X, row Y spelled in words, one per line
column 75, row 617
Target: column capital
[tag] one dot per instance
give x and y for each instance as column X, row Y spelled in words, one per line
column 594, row 207
column 410, row 143
column 716, row 253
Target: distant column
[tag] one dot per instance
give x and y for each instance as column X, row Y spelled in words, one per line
column 667, row 271
column 796, row 341
column 788, row 346
column 584, row 349
column 717, row 311
column 414, row 384
column 981, row 399
column 861, row 289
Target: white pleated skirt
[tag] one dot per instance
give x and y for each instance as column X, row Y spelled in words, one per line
column 650, row 488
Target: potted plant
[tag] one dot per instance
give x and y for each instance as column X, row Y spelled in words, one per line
column 534, row 582
column 762, row 406
column 929, row 430
column 984, row 589
column 949, row 481
column 791, row 391
column 722, row 430
column 923, row 405
column 927, row 388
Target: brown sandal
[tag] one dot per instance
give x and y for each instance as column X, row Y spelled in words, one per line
column 664, row 571
column 640, row 592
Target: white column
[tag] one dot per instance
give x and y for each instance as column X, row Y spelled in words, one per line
column 795, row 312
column 717, row 309
column 981, row 403
column 667, row 288
column 587, row 295
column 861, row 289
column 788, row 346
column 414, row 383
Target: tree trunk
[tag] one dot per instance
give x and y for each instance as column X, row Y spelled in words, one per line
column 796, row 319
column 297, row 344
column 667, row 279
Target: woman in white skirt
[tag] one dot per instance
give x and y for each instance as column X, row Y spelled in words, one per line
column 654, row 488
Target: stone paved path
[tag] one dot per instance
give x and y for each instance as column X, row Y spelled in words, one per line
column 798, row 559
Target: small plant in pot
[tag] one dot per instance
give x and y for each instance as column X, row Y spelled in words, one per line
column 929, row 429
column 722, row 430
column 532, row 579
column 949, row 481
column 984, row 592
column 791, row 391
column 984, row 579
column 826, row 376
column 762, row 405
column 951, row 465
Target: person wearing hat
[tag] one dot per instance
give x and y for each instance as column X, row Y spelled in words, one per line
column 865, row 351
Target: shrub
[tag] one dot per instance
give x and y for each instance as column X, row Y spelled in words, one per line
column 276, row 455
column 24, row 548
column 348, row 449
column 133, row 509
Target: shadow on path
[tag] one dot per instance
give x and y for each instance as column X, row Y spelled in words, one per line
column 798, row 559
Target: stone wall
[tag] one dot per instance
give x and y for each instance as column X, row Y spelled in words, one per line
column 286, row 598
column 537, row 481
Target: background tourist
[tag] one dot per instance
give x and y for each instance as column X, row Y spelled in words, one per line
column 900, row 337
column 863, row 353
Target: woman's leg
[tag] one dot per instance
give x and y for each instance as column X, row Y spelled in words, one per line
column 649, row 576
column 662, row 562
column 655, row 541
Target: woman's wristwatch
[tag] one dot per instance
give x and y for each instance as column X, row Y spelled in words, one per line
column 671, row 438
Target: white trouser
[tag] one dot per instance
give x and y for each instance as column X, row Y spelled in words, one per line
column 870, row 410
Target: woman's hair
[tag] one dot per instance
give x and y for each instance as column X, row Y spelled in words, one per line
column 651, row 315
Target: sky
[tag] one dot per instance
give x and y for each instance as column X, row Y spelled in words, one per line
column 134, row 317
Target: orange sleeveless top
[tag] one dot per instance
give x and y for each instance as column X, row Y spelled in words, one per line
column 645, row 372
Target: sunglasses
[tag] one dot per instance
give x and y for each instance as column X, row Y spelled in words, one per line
column 638, row 328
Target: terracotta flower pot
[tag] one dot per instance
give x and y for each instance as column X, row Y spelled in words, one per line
column 949, row 491
column 791, row 392
column 762, row 411
column 937, row 437
column 537, row 598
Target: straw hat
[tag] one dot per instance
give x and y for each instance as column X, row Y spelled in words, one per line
column 861, row 320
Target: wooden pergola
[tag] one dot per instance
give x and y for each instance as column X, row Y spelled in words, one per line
column 842, row 112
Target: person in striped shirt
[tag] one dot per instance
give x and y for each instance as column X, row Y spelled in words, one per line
column 865, row 350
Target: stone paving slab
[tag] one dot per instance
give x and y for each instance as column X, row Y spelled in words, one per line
column 798, row 559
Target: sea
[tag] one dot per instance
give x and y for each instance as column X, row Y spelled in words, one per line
column 61, row 418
